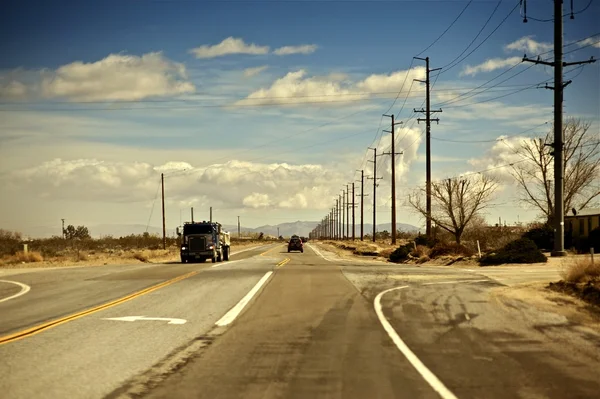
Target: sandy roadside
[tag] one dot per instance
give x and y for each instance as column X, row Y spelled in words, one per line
column 129, row 257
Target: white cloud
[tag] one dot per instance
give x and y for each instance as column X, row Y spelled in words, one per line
column 231, row 185
column 490, row 65
column 297, row 87
column 593, row 41
column 256, row 200
column 229, row 46
column 528, row 45
column 114, row 78
column 249, row 72
column 302, row 49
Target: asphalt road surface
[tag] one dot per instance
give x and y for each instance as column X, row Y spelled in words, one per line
column 269, row 324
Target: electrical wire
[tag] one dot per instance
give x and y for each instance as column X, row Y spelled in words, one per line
column 153, row 203
column 447, row 29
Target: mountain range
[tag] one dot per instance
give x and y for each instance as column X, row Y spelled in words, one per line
column 301, row 228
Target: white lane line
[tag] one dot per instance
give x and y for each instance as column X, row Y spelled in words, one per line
column 24, row 290
column 319, row 253
column 248, row 249
column 467, row 317
column 237, row 309
column 431, row 379
column 457, row 282
column 226, row 263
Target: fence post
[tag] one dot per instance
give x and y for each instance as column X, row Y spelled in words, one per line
column 478, row 248
column 25, row 250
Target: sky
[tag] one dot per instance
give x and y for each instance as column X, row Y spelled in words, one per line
column 265, row 109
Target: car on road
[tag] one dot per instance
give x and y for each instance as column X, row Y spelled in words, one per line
column 295, row 244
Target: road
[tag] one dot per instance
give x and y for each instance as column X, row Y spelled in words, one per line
column 269, row 324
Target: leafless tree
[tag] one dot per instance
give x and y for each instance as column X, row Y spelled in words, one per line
column 535, row 178
column 454, row 202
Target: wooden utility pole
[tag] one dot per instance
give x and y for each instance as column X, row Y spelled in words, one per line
column 343, row 210
column 348, row 211
column 239, row 229
column 374, row 178
column 362, row 203
column 162, row 184
column 353, row 220
column 558, row 145
column 427, row 120
column 210, row 214
column 192, row 214
column 393, row 155
column 63, row 229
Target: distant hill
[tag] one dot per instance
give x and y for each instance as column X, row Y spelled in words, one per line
column 302, row 228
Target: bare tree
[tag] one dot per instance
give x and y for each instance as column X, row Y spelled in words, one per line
column 454, row 202
column 582, row 169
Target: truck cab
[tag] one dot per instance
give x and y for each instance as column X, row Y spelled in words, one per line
column 203, row 240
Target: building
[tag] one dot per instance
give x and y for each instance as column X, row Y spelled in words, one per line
column 578, row 225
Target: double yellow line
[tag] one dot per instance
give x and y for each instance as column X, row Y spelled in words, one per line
column 45, row 326
column 283, row 263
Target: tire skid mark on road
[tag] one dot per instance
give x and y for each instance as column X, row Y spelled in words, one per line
column 45, row 326
column 429, row 377
column 24, row 290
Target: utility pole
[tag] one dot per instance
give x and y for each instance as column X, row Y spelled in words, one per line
column 63, row 229
column 558, row 145
column 375, row 178
column 343, row 210
column 348, row 211
column 353, row 220
column 162, row 184
column 278, row 233
column 427, row 120
column 239, row 229
column 331, row 224
column 362, row 203
column 340, row 218
column 210, row 214
column 393, row 155
column 337, row 219
column 192, row 214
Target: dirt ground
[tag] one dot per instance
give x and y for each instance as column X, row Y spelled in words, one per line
column 116, row 257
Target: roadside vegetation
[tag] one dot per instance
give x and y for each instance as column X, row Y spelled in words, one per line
column 78, row 247
column 581, row 280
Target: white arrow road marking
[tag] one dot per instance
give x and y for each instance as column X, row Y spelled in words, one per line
column 135, row 318
column 24, row 290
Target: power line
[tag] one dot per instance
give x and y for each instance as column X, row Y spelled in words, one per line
column 492, row 140
column 447, row 29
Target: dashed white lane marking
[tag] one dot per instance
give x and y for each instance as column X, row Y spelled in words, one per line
column 431, row 379
column 24, row 290
column 467, row 317
column 237, row 309
column 226, row 263
column 456, row 282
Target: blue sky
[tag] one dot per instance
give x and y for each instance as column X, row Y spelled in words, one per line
column 99, row 98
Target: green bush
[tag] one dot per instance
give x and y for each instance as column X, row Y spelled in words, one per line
column 401, row 253
column 522, row 250
column 442, row 248
column 543, row 236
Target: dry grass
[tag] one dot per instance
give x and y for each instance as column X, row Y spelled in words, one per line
column 420, row 251
column 141, row 256
column 581, row 271
column 22, row 257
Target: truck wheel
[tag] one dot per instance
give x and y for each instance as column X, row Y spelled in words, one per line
column 226, row 253
column 220, row 256
column 183, row 260
column 214, row 258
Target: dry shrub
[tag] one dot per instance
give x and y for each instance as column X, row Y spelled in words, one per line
column 442, row 249
column 80, row 256
column 581, row 271
column 423, row 259
column 141, row 256
column 386, row 252
column 28, row 257
column 420, row 251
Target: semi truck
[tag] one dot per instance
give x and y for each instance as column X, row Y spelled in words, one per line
column 204, row 240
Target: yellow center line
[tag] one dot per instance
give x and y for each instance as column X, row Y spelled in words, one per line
column 45, row 326
column 283, row 262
